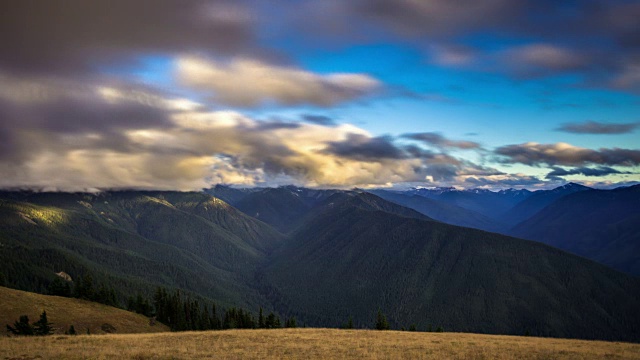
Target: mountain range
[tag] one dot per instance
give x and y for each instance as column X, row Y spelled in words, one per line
column 601, row 225
column 320, row 255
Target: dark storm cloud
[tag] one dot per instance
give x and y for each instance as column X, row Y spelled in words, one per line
column 439, row 141
column 73, row 35
column 535, row 154
column 276, row 125
column 594, row 127
column 318, row 119
column 365, row 148
column 586, row 171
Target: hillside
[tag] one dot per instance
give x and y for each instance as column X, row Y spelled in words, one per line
column 349, row 253
column 134, row 241
column 538, row 201
column 64, row 312
column 441, row 211
column 312, row 344
column 597, row 224
column 350, row 261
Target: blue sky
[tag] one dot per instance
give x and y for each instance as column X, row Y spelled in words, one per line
column 378, row 93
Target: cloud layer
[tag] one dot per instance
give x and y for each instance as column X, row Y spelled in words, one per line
column 244, row 82
column 536, row 154
column 594, row 127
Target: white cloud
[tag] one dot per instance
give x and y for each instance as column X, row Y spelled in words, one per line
column 245, row 82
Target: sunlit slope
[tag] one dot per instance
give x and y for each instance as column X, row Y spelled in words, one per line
column 64, row 312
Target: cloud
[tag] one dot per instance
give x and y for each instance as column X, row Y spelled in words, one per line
column 542, row 59
column 594, row 127
column 91, row 135
column 439, row 141
column 364, row 148
column 536, row 154
column 319, row 119
column 504, row 181
column 557, row 172
column 435, row 17
column 74, row 36
column 244, row 82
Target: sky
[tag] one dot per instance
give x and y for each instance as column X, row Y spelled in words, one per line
column 183, row 95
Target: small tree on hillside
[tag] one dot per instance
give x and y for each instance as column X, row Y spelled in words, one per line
column 381, row 321
column 43, row 326
column 21, row 327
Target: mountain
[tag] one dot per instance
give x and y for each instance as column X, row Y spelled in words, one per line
column 134, row 241
column 347, row 253
column 603, row 225
column 64, row 312
column 450, row 214
column 491, row 204
column 351, row 260
column 538, row 201
column 281, row 207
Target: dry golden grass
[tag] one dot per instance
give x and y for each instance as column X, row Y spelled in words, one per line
column 310, row 344
column 63, row 312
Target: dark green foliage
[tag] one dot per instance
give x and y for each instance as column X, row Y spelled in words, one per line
column 349, row 324
column 413, row 327
column 272, row 322
column 3, row 279
column 140, row 305
column 440, row 329
column 261, row 320
column 291, row 323
column 83, row 288
column 381, row 321
column 59, row 287
column 21, row 327
column 43, row 326
column 71, row 331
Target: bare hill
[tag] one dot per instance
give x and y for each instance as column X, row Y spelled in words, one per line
column 63, row 312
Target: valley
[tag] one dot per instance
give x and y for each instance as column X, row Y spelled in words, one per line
column 321, row 256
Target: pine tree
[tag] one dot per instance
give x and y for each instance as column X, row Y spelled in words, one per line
column 43, row 326
column 71, row 331
column 59, row 287
column 349, row 323
column 290, row 323
column 381, row 321
column 21, row 327
column 261, row 323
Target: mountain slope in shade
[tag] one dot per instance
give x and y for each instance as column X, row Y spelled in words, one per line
column 603, row 225
column 491, row 204
column 281, row 207
column 134, row 240
column 447, row 213
column 538, row 201
column 350, row 260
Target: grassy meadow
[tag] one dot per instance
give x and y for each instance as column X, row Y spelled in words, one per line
column 309, row 344
column 64, row 312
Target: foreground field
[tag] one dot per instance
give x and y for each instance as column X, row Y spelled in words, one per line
column 309, row 344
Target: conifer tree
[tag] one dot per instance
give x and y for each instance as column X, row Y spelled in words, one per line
column 43, row 326
column 381, row 321
column 21, row 327
column 261, row 323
